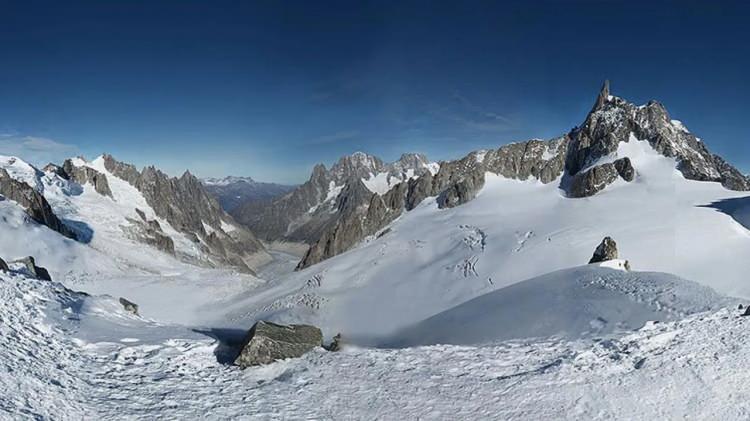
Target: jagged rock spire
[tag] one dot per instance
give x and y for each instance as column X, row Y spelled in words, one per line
column 603, row 96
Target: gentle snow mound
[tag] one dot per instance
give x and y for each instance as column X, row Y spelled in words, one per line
column 583, row 301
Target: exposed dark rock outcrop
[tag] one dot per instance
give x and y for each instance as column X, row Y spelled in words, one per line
column 32, row 269
column 358, row 213
column 33, row 202
column 595, row 179
column 84, row 174
column 3, row 265
column 189, row 208
column 461, row 191
column 606, row 250
column 543, row 160
column 455, row 183
column 149, row 232
column 267, row 342
column 614, row 120
column 129, row 306
column 592, row 181
column 304, row 214
column 625, row 169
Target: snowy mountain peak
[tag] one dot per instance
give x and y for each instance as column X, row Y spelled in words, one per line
column 356, row 165
column 614, row 120
column 225, row 181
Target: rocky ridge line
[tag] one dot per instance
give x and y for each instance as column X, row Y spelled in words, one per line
column 573, row 156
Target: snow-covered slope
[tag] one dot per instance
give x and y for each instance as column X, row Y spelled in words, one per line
column 430, row 260
column 580, row 302
column 72, row 356
column 107, row 260
column 99, row 221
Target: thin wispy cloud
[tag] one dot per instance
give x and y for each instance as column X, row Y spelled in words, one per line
column 474, row 117
column 37, row 150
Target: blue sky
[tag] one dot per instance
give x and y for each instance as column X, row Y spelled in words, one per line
column 268, row 89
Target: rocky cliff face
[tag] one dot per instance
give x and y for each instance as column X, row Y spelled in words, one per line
column 613, row 120
column 313, row 208
column 584, row 161
column 33, row 202
column 83, row 175
column 455, row 183
column 190, row 209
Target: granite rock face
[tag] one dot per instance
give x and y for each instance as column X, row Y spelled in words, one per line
column 83, row 175
column 307, row 212
column 594, row 180
column 543, row 160
column 625, row 169
column 461, row 191
column 613, row 120
column 606, row 250
column 267, row 342
column 189, row 208
column 455, row 183
column 33, row 202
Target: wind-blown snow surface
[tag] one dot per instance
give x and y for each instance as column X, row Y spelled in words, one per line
column 431, row 259
column 66, row 355
column 580, row 302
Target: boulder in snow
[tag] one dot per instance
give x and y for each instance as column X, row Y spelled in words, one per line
column 625, row 169
column 746, row 312
column 129, row 306
column 32, row 269
column 606, row 250
column 267, row 342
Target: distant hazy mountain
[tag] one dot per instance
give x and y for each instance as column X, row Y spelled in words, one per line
column 234, row 191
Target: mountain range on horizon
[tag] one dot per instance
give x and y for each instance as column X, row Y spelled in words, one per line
column 477, row 260
column 359, row 195
column 374, row 211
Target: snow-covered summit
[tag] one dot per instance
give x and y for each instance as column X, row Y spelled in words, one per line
column 225, row 181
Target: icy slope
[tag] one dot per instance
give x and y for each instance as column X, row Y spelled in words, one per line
column 579, row 302
column 430, row 260
column 70, row 356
